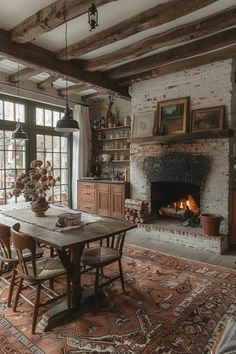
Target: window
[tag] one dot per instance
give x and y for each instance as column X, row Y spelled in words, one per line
column 38, row 121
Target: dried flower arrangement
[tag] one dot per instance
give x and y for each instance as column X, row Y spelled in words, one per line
column 36, row 181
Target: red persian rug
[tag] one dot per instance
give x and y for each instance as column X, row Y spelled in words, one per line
column 172, row 305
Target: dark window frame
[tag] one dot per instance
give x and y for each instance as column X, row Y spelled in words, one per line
column 32, row 130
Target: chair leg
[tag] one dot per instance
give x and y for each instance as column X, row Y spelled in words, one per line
column 68, row 292
column 121, row 275
column 11, row 287
column 36, row 308
column 96, row 280
column 17, row 294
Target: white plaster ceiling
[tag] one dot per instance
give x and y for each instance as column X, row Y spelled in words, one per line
column 13, row 12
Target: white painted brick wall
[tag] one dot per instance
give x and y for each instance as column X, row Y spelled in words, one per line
column 208, row 85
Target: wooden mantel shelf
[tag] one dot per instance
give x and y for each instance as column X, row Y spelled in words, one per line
column 161, row 139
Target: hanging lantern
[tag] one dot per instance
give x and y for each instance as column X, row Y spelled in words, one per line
column 19, row 133
column 93, row 16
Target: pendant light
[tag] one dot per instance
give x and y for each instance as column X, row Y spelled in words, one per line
column 93, row 16
column 19, row 133
column 67, row 124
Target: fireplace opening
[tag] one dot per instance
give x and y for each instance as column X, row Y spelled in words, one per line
column 175, row 199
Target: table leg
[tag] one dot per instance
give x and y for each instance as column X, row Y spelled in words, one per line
column 76, row 291
column 61, row 311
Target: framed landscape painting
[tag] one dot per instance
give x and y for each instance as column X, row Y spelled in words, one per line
column 211, row 118
column 143, row 124
column 173, row 116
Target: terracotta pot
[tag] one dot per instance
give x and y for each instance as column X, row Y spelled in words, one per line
column 39, row 206
column 211, row 223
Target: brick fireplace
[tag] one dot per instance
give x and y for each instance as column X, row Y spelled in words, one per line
column 207, row 159
column 176, row 180
column 208, row 183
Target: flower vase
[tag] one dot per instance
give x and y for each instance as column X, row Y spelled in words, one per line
column 39, row 206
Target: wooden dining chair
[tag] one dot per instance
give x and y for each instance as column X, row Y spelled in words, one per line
column 35, row 273
column 98, row 257
column 9, row 259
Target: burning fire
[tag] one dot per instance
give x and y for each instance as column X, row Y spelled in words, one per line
column 186, row 203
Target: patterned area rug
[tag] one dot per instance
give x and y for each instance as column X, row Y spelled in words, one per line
column 172, row 305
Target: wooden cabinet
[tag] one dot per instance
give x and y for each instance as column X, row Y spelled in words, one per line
column 104, row 199
column 118, row 194
column 86, row 196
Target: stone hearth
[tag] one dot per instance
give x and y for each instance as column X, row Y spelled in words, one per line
column 173, row 231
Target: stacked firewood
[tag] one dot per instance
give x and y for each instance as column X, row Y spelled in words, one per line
column 136, row 210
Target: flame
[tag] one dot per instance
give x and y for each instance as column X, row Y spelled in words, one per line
column 188, row 204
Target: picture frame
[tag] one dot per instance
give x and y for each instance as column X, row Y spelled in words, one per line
column 211, row 118
column 143, row 124
column 173, row 116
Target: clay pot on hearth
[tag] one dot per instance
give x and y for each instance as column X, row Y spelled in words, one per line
column 211, row 223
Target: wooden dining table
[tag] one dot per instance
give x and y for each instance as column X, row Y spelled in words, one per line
column 64, row 240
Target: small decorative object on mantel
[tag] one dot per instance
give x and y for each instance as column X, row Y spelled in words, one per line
column 34, row 184
column 211, row 118
column 173, row 116
column 143, row 124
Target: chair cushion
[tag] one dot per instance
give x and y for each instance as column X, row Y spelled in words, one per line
column 47, row 268
column 99, row 255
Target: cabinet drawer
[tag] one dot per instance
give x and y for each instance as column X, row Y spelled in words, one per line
column 86, row 195
column 86, row 206
column 117, row 188
column 86, row 185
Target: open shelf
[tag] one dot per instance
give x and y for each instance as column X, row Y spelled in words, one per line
column 103, row 150
column 113, row 128
column 161, row 139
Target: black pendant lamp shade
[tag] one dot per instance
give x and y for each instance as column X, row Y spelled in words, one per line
column 67, row 124
column 19, row 133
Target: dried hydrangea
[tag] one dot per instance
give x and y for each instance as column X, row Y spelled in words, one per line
column 36, row 181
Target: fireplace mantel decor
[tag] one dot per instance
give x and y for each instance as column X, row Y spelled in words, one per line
column 173, row 116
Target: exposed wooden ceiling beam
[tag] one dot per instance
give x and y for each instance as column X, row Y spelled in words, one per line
column 47, row 82
column 94, row 96
column 153, row 17
column 216, row 41
column 189, row 63
column 50, row 17
column 194, row 30
column 23, row 74
column 74, row 89
column 38, row 57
